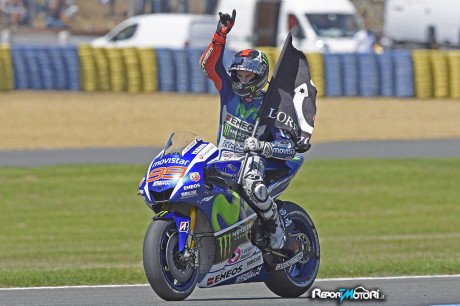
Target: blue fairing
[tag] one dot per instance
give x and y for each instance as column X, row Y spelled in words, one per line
column 279, row 174
column 182, row 223
column 176, row 175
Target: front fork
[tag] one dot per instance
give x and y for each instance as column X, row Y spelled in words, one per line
column 188, row 250
column 192, row 215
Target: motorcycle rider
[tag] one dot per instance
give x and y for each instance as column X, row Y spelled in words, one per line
column 241, row 95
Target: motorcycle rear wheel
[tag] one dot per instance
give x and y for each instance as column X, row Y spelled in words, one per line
column 298, row 278
column 169, row 278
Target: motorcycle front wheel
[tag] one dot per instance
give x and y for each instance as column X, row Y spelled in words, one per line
column 298, row 278
column 170, row 278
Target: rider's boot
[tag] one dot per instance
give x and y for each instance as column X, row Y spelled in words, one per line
column 277, row 234
column 269, row 212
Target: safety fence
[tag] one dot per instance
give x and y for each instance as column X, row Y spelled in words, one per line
column 397, row 73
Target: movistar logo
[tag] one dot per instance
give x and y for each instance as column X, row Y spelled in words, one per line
column 246, row 113
column 225, row 244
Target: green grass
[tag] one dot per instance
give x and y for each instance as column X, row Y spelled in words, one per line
column 74, row 225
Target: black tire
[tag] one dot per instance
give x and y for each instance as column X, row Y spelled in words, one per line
column 161, row 240
column 286, row 283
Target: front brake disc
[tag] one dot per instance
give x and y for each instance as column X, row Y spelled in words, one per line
column 180, row 270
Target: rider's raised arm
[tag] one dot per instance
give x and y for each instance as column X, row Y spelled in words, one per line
column 211, row 60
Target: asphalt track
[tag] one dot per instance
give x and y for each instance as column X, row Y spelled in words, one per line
column 425, row 290
column 434, row 148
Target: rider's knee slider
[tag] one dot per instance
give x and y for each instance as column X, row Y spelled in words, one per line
column 260, row 191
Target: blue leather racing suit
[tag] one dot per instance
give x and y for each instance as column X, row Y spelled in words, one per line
column 237, row 120
column 238, row 115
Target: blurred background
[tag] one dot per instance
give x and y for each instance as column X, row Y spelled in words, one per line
column 390, row 48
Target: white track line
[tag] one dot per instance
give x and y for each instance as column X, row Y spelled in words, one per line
column 385, row 277
column 74, row 287
column 317, row 280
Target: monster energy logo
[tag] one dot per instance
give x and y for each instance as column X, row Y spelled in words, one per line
column 232, row 133
column 227, row 129
column 225, row 243
column 246, row 113
column 161, row 214
column 264, row 59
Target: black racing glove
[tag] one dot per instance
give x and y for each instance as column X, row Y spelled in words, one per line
column 225, row 23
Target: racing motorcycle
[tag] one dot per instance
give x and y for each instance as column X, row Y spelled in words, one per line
column 206, row 231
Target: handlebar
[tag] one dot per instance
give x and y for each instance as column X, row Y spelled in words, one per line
column 228, row 175
column 214, row 174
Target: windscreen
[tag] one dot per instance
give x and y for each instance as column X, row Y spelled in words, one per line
column 179, row 141
column 333, row 25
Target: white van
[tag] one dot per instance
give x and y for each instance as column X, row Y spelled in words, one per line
column 316, row 25
column 423, row 22
column 162, row 30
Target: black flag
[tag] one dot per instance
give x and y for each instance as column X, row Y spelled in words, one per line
column 290, row 101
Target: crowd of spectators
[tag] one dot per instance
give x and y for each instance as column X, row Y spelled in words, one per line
column 61, row 13
column 15, row 12
column 53, row 13
column 166, row 6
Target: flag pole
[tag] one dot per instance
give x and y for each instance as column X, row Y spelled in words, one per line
column 261, row 111
column 246, row 155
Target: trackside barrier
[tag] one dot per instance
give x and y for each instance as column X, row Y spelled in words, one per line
column 102, row 69
column 19, row 68
column 133, row 72
column 369, row 81
column 316, row 63
column 399, row 73
column 6, row 68
column 333, row 75
column 182, row 70
column 72, row 64
column 88, row 68
column 30, row 56
column 386, row 70
column 149, row 70
column 45, row 69
column 454, row 73
column 117, row 70
column 440, row 70
column 350, row 74
column 58, row 69
column 198, row 80
column 403, row 74
column 423, row 77
column 166, row 78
